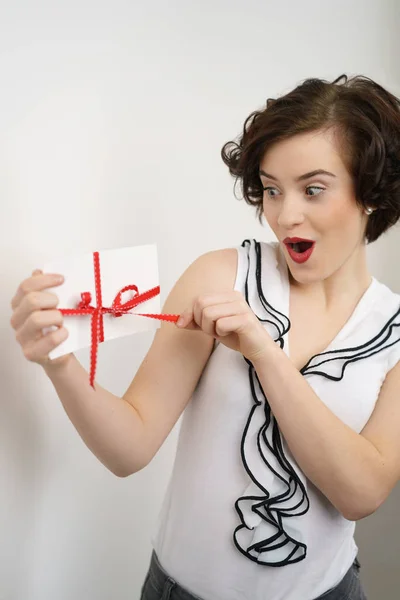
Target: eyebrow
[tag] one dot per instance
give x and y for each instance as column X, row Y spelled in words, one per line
column 302, row 177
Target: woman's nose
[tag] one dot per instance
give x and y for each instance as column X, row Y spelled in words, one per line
column 291, row 213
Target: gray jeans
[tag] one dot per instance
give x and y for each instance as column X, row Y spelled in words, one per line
column 158, row 585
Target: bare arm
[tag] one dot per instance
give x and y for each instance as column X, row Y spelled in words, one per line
column 125, row 433
column 110, row 427
column 354, row 471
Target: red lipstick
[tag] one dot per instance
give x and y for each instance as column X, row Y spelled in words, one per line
column 300, row 249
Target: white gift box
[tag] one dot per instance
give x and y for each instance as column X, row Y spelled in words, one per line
column 120, row 267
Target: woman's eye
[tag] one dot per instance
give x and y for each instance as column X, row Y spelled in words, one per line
column 310, row 187
column 314, row 187
column 269, row 188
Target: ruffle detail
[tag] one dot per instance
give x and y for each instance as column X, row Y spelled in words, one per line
column 271, row 507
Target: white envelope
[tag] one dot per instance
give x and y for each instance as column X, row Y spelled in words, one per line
column 118, row 267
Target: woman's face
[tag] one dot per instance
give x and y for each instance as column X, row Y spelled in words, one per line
column 320, row 207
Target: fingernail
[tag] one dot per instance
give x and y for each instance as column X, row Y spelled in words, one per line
column 180, row 321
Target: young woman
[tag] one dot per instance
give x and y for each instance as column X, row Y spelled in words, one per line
column 285, row 364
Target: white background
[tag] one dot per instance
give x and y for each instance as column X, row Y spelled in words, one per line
column 112, row 118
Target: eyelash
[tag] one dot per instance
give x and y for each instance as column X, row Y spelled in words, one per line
column 307, row 188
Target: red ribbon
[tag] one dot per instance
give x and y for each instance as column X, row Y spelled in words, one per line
column 117, row 309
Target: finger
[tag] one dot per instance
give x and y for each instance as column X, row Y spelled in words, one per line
column 33, row 302
column 212, row 314
column 205, row 300
column 32, row 328
column 186, row 321
column 230, row 324
column 192, row 319
column 38, row 351
column 35, row 283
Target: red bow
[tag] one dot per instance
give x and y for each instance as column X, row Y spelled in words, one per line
column 117, row 309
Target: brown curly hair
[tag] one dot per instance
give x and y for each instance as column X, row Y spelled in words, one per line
column 367, row 119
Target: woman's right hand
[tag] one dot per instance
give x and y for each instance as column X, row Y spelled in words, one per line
column 33, row 310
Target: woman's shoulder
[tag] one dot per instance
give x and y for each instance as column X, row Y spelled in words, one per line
column 220, row 269
column 225, row 267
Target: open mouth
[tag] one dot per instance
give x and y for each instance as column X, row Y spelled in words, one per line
column 301, row 247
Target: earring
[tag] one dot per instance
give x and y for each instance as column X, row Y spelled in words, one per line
column 369, row 210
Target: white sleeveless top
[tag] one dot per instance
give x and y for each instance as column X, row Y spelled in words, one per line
column 240, row 521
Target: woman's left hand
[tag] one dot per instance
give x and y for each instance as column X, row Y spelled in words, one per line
column 229, row 319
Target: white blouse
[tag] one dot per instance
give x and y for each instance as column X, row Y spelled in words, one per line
column 240, row 520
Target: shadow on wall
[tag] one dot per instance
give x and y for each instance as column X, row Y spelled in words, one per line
column 377, row 536
column 378, row 539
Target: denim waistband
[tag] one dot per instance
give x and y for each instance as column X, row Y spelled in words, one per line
column 165, row 584
column 167, row 587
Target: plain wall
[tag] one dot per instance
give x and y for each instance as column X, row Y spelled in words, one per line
column 112, row 118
